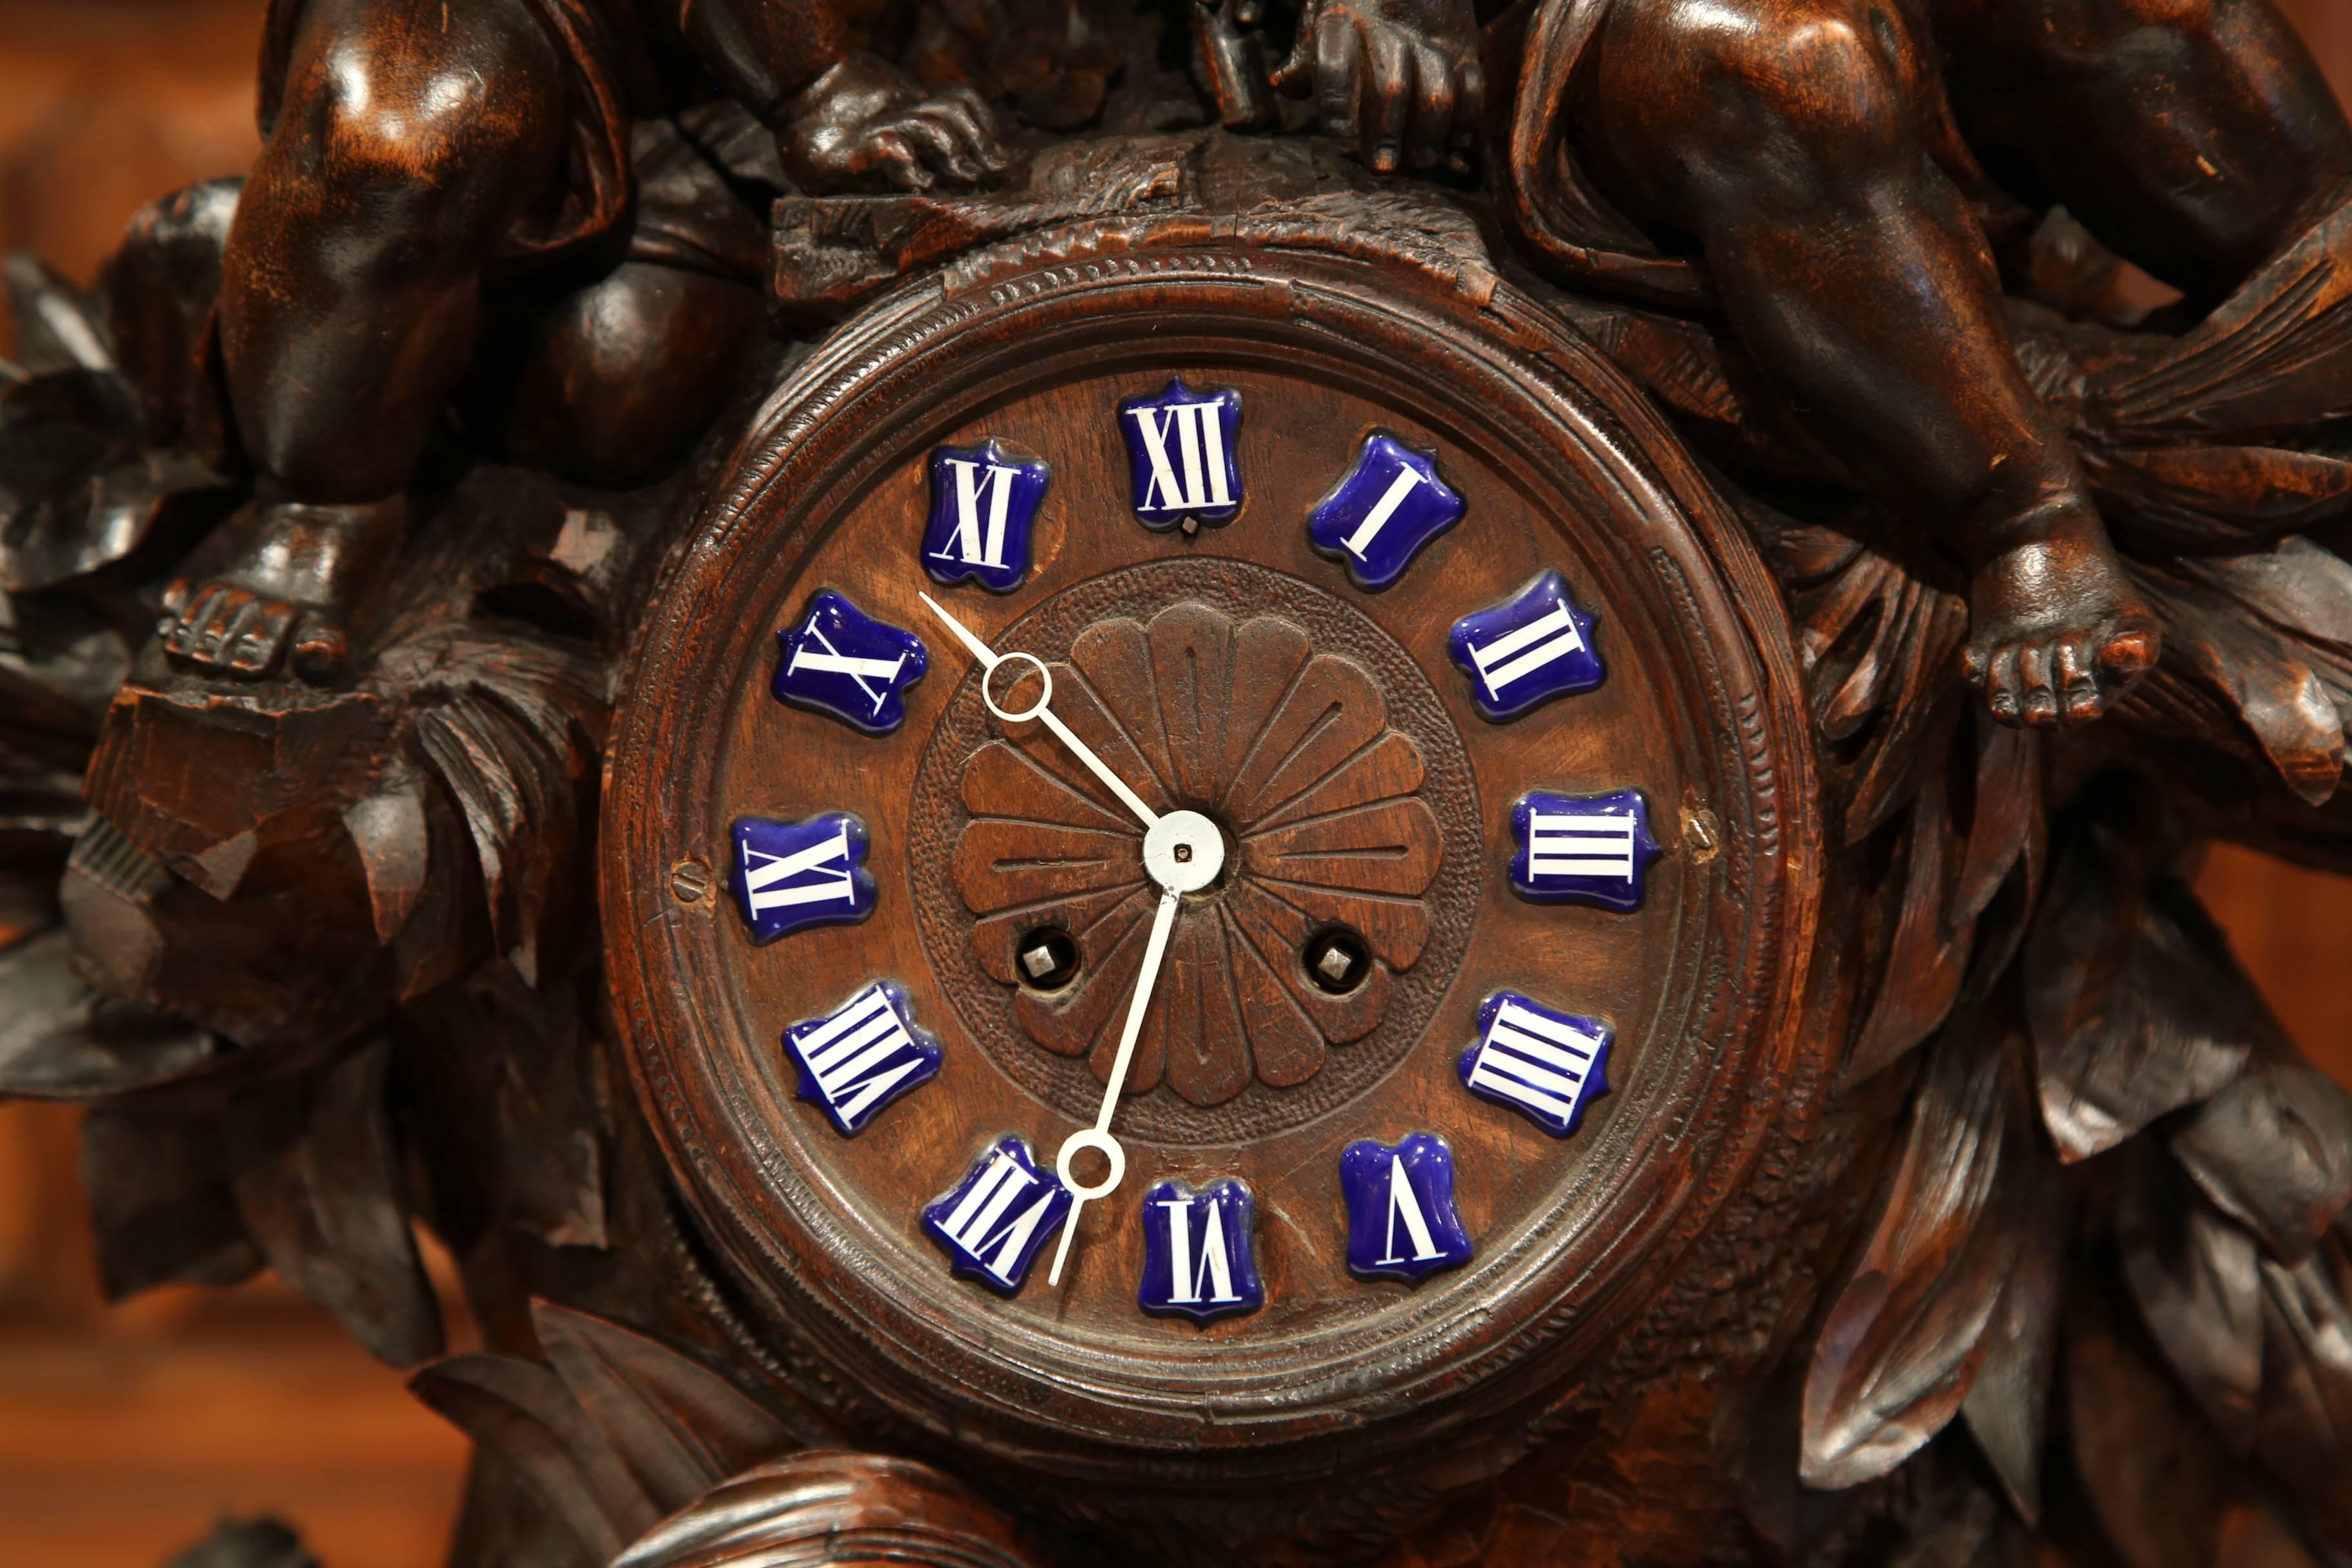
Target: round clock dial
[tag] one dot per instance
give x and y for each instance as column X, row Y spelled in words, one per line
column 1202, row 849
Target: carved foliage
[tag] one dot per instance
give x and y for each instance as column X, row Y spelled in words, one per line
column 621, row 1430
column 1908, row 1333
column 2136, row 1007
column 646, row 1457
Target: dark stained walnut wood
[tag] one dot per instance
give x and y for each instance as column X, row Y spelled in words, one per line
column 1705, row 977
column 1247, row 723
column 1265, row 757
column 392, row 548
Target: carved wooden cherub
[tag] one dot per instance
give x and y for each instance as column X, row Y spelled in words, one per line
column 1846, row 171
column 414, row 150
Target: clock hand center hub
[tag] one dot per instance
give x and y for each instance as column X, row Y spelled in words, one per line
column 1183, row 852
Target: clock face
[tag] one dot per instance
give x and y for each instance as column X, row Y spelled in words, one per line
column 1186, row 877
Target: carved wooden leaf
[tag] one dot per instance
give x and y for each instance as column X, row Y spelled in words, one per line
column 839, row 1508
column 329, row 1214
column 2304, row 1432
column 62, row 1039
column 1904, row 625
column 160, row 1164
column 521, row 1412
column 550, row 1125
column 2136, row 1005
column 2157, row 1474
column 2165, row 500
column 1878, row 644
column 513, row 725
column 1928, row 958
column 2262, row 676
column 2274, row 1152
column 2008, row 1406
column 2005, row 818
column 1906, row 1335
column 59, row 327
column 2193, row 1275
column 2296, row 587
column 390, row 830
column 678, row 1426
column 447, row 928
column 2273, row 357
column 60, row 664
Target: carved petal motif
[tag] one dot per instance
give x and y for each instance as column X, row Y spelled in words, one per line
column 1290, row 750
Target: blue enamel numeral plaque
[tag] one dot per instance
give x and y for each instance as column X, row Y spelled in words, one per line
column 993, row 1222
column 1546, row 1066
column 984, row 510
column 1533, row 647
column 1199, row 1261
column 1401, row 1223
column 838, row 660
column 788, row 875
column 1583, row 849
column 1384, row 511
column 862, row 1056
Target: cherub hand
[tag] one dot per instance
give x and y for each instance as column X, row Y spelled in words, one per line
column 1401, row 77
column 865, row 123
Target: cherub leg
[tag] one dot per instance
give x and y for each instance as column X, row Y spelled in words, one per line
column 2197, row 137
column 413, row 135
column 1794, row 140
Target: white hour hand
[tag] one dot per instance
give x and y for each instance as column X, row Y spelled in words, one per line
column 989, row 659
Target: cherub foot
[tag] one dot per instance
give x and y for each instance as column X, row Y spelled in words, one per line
column 286, row 594
column 2057, row 634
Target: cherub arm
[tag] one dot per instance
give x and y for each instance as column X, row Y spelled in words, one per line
column 843, row 118
column 1400, row 78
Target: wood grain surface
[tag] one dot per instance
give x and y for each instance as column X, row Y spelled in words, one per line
column 123, row 1431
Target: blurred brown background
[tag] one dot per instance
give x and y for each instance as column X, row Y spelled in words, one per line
column 123, row 1432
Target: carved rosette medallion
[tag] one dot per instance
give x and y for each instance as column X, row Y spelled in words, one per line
column 1315, row 743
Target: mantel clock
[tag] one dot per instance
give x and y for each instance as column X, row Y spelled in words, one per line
column 1208, row 863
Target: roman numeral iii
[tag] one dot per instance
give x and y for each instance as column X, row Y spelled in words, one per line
column 1587, row 849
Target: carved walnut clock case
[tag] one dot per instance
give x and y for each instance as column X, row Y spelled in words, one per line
column 1208, row 863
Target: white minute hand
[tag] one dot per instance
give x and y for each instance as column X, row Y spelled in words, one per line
column 989, row 659
column 1098, row 1136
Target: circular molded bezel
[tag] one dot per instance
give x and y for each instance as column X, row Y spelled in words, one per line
column 1270, row 1412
